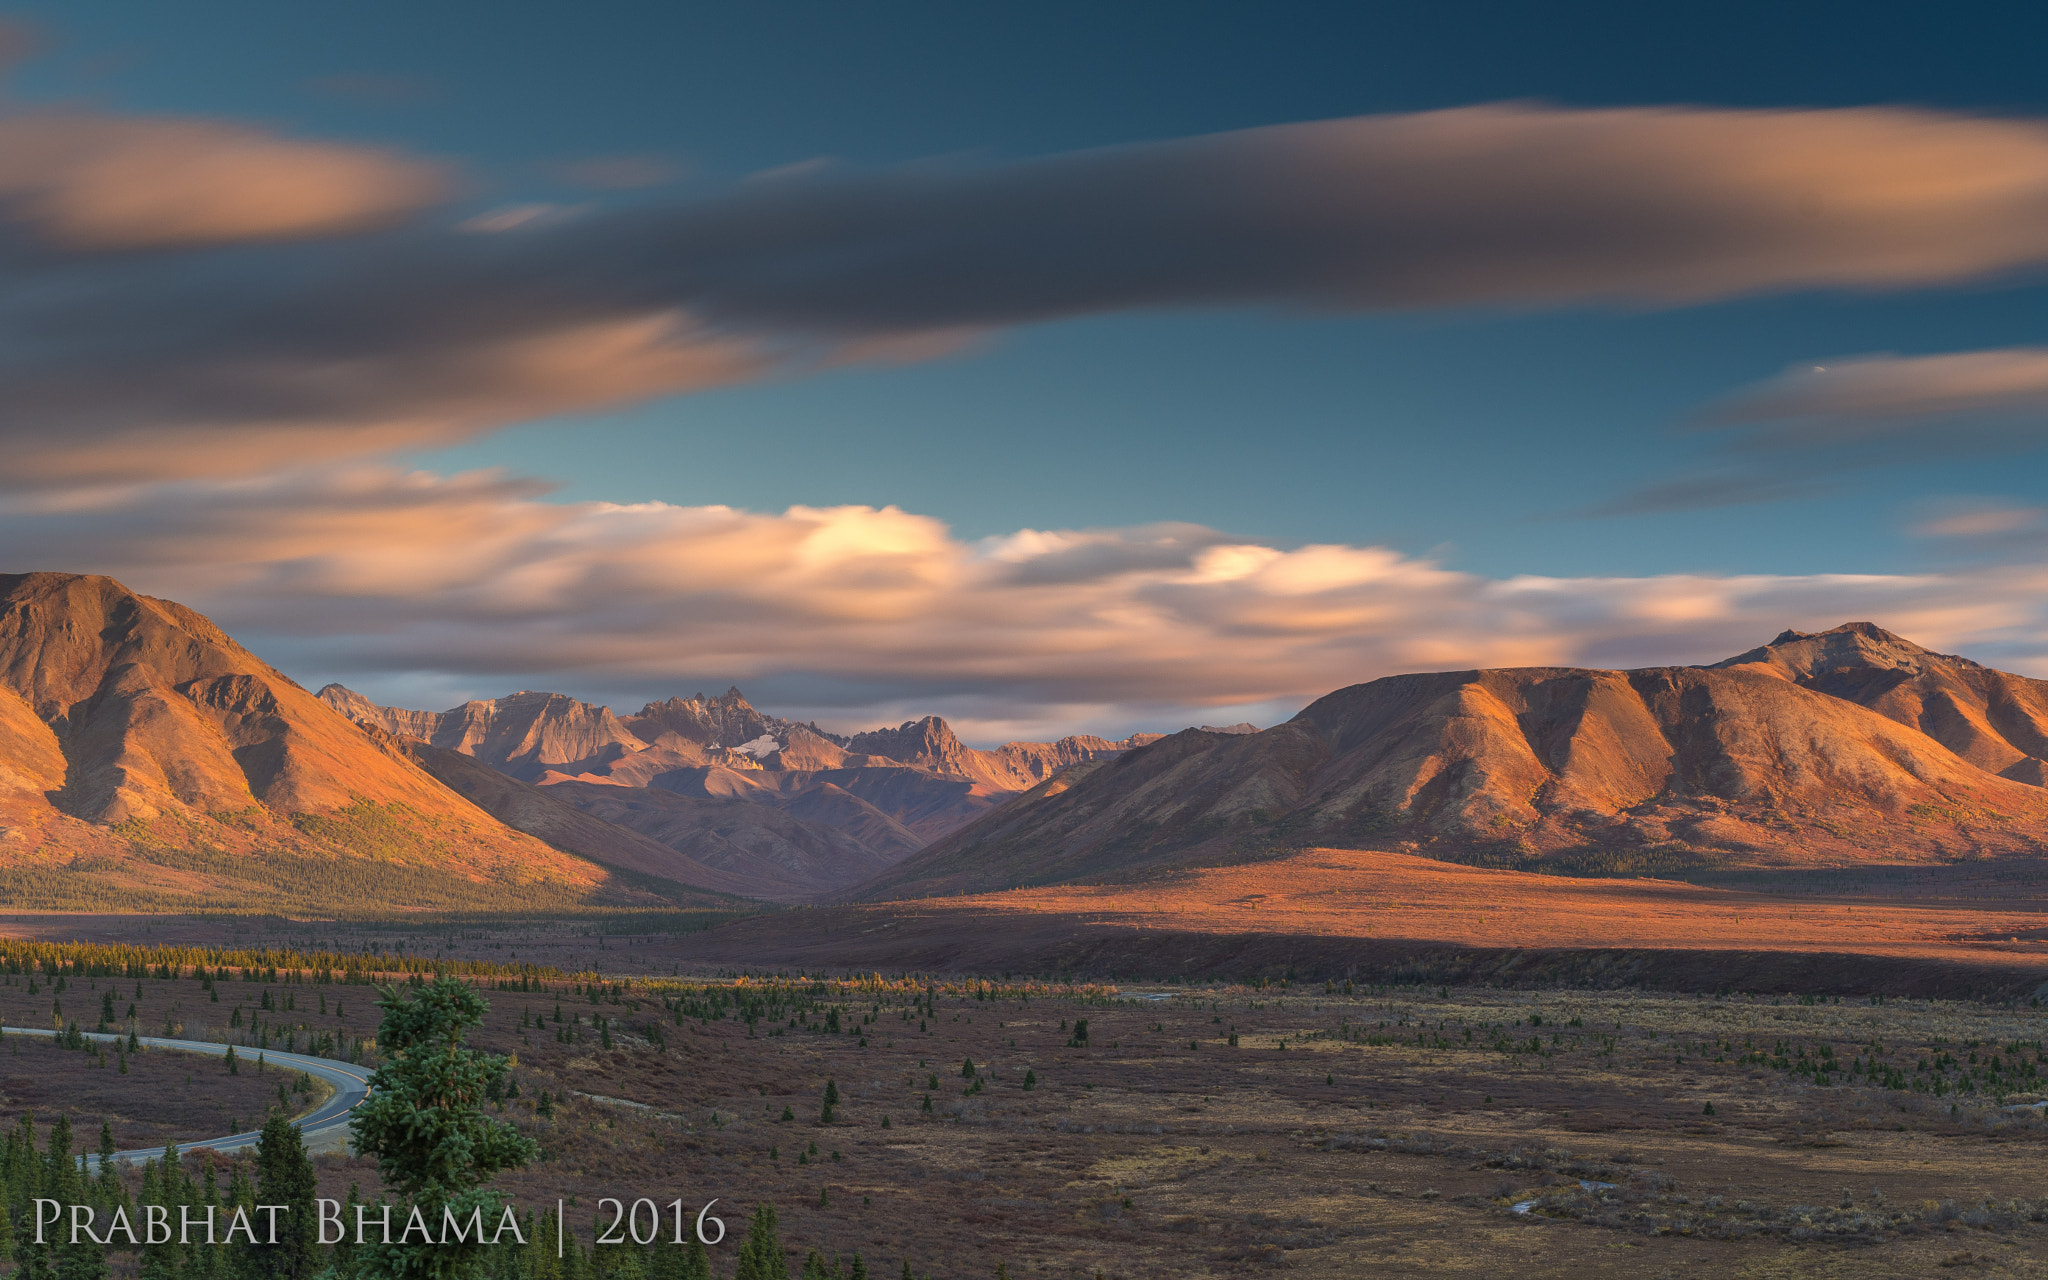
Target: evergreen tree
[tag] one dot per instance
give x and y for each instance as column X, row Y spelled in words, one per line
column 62, row 1183
column 545, row 1265
column 286, row 1177
column 696, row 1262
column 159, row 1187
column 110, row 1178
column 424, row 1124
column 342, row 1260
column 761, row 1255
column 28, row 1179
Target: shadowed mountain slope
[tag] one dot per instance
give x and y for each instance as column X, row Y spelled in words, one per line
column 787, row 810
column 1852, row 744
column 543, row 815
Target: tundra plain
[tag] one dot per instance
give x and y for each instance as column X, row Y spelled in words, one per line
column 1203, row 1128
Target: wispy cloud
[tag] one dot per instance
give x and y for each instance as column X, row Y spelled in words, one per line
column 1791, row 435
column 1891, row 397
column 233, row 361
column 389, row 578
column 75, row 183
column 1979, row 519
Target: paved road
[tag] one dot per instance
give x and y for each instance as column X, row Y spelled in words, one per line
column 327, row 1126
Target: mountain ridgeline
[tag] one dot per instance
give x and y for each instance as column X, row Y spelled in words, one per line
column 1849, row 745
column 741, row 801
column 148, row 760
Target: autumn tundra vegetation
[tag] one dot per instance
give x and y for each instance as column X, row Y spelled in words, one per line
column 867, row 1123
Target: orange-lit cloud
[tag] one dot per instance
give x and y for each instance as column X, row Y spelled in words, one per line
column 856, row 613
column 1864, row 396
column 228, row 360
column 81, row 181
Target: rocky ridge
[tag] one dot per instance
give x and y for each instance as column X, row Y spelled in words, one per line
column 786, row 810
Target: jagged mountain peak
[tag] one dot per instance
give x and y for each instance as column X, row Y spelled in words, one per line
column 728, row 721
column 914, row 740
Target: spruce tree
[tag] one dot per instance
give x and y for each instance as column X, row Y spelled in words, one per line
column 110, row 1178
column 761, row 1255
column 286, row 1177
column 696, row 1262
column 62, row 1183
column 424, row 1125
column 342, row 1260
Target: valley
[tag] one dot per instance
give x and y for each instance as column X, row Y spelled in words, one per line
column 1214, row 1128
column 1721, row 969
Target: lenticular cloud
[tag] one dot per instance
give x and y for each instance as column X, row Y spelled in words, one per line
column 152, row 324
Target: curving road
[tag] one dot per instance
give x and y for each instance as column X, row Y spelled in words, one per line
column 328, row 1122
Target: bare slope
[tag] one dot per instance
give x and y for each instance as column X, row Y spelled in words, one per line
column 138, row 736
column 546, row 816
column 1606, row 770
column 1993, row 719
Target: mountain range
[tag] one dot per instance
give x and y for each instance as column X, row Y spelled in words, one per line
column 148, row 760
column 1847, row 745
column 741, row 800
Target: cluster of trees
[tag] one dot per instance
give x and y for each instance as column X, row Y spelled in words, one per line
column 212, row 1247
column 251, row 964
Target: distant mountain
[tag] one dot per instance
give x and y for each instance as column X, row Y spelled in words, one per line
column 524, row 735
column 157, row 761
column 725, row 722
column 744, row 800
column 1847, row 745
column 1015, row 766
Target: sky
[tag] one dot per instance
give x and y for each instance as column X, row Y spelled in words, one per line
column 1053, row 368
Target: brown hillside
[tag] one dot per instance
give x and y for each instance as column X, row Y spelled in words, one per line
column 1662, row 768
column 146, row 756
column 540, row 814
column 1995, row 720
column 776, row 854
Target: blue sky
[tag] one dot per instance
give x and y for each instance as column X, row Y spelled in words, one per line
column 1493, row 440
